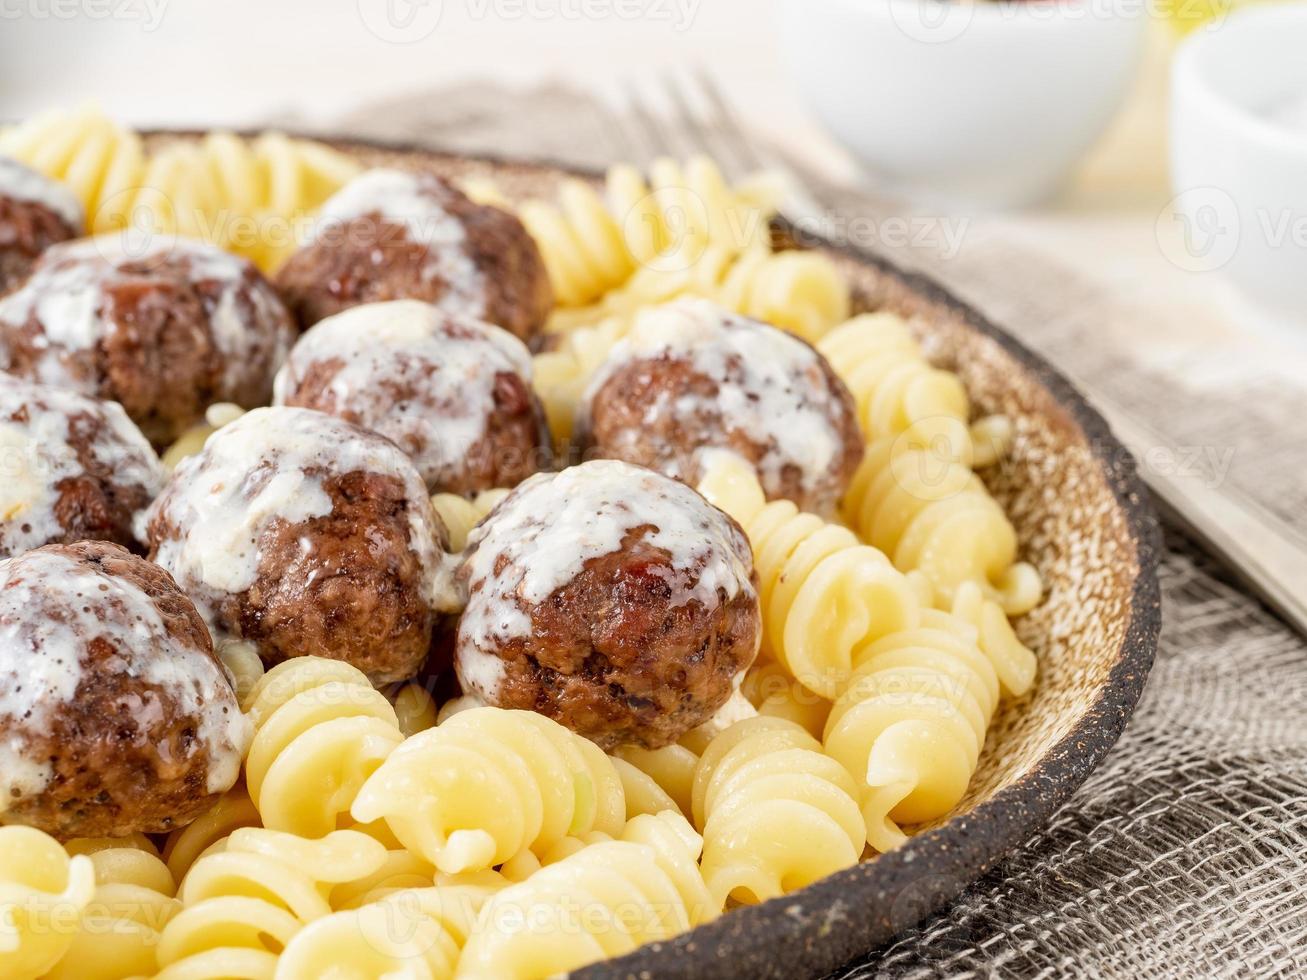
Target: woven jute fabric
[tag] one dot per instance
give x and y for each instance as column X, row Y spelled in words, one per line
column 1185, row 853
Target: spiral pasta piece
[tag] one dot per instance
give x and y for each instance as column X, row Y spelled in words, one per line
column 460, row 514
column 775, row 694
column 248, row 196
column 415, row 709
column 184, row 847
column 931, row 513
column 320, row 731
column 242, row 904
column 604, row 900
column 44, row 892
column 912, row 721
column 671, row 768
column 489, row 783
column 560, row 376
column 823, row 592
column 134, row 900
column 776, row 812
column 593, row 243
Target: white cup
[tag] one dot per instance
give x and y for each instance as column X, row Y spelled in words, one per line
column 988, row 104
column 1239, row 154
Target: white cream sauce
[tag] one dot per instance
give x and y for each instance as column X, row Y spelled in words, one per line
column 21, row 183
column 553, row 524
column 770, row 386
column 416, row 202
column 407, row 345
column 269, row 465
column 36, row 455
column 66, row 294
column 51, row 607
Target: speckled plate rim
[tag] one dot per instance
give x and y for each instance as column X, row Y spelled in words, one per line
column 819, row 929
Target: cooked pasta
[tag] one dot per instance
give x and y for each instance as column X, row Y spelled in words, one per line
column 232, row 812
column 776, row 812
column 775, row 694
column 823, row 592
column 415, row 709
column 193, row 439
column 242, row 904
column 932, row 514
column 642, row 792
column 44, row 893
column 320, row 730
column 798, row 291
column 912, row 721
column 489, row 783
column 134, row 900
column 252, row 197
column 671, row 768
column 593, row 243
column 560, row 376
column 604, row 900
column 460, row 515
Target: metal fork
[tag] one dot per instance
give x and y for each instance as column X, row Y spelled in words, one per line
column 1265, row 552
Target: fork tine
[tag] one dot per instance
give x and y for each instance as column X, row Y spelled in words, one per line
column 647, row 124
column 688, row 121
column 618, row 125
column 726, row 124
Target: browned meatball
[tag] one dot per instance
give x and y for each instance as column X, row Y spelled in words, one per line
column 453, row 393
column 115, row 715
column 71, row 469
column 307, row 536
column 165, row 329
column 394, row 235
column 35, row 213
column 692, row 378
column 612, row 599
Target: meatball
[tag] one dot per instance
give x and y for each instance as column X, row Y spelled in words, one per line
column 165, row 329
column 691, row 378
column 453, row 393
column 71, row 469
column 35, row 213
column 612, row 599
column 306, row 535
column 394, row 235
column 115, row 715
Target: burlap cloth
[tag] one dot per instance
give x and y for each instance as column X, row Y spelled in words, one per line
column 1185, row 853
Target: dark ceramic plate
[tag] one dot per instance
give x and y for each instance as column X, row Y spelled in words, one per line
column 1083, row 518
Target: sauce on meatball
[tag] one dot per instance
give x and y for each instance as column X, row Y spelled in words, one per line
column 610, row 598
column 35, row 213
column 71, row 468
column 306, row 535
column 390, row 234
column 692, row 377
column 115, row 715
column 165, row 329
column 454, row 393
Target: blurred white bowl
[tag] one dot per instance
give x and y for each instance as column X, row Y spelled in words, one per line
column 989, row 104
column 1239, row 152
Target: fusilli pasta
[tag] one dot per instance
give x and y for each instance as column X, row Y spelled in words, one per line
column 932, row 514
column 134, row 900
column 232, row 812
column 823, row 592
column 776, row 812
column 489, row 783
column 593, row 243
column 43, row 894
column 775, row 694
column 242, row 904
column 604, row 900
column 912, row 722
column 249, row 196
column 460, row 514
column 320, row 730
